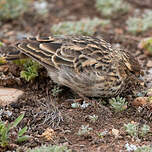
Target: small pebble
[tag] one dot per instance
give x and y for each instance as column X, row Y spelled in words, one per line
column 9, row 95
column 140, row 101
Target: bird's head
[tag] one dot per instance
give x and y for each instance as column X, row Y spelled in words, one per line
column 132, row 64
column 129, row 67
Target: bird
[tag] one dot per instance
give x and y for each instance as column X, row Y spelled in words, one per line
column 88, row 65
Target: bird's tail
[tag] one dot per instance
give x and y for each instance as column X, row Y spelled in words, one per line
column 12, row 56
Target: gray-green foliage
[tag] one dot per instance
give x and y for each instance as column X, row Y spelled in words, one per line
column 140, row 24
column 50, row 148
column 131, row 129
column 134, row 130
column 146, row 44
column 10, row 9
column 84, row 130
column 93, row 118
column 5, row 132
column 85, row 26
column 134, row 148
column 84, row 105
column 111, row 7
column 119, row 104
column 144, row 130
column 56, row 90
column 144, row 148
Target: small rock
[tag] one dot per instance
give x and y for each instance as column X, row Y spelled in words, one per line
column 4, row 68
column 149, row 93
column 119, row 31
column 149, row 64
column 140, row 101
column 9, row 95
column 115, row 132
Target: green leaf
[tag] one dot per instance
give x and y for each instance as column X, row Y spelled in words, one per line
column 22, row 131
column 4, row 136
column 17, row 121
column 22, row 139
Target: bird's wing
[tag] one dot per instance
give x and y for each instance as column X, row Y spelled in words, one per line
column 81, row 53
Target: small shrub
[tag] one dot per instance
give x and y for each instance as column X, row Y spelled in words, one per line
column 84, row 105
column 93, row 118
column 56, row 90
column 146, row 44
column 111, row 7
column 2, row 60
column 144, row 130
column 85, row 27
column 131, row 129
column 75, row 105
column 102, row 134
column 140, row 24
column 6, row 130
column 50, row 148
column 41, row 7
column 84, row 130
column 130, row 147
column 144, row 148
column 10, row 9
column 1, row 44
column 119, row 104
column 135, row 131
column 30, row 70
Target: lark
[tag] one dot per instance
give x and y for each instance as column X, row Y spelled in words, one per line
column 88, row 65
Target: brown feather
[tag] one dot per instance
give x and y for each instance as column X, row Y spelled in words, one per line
column 88, row 65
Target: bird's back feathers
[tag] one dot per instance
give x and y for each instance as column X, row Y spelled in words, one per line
column 86, row 64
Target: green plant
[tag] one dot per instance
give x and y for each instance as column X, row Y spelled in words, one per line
column 135, row 131
column 131, row 129
column 102, row 134
column 6, row 132
column 2, row 60
column 84, row 130
column 85, row 26
column 110, row 7
column 140, row 24
column 10, row 9
column 144, row 148
column 56, row 90
column 84, row 105
column 50, row 148
column 30, row 70
column 93, row 118
column 130, row 147
column 76, row 105
column 41, row 7
column 1, row 44
column 146, row 44
column 119, row 104
column 144, row 130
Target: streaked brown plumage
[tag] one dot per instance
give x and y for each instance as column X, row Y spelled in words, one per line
column 88, row 65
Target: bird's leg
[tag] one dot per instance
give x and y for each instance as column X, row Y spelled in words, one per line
column 81, row 99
